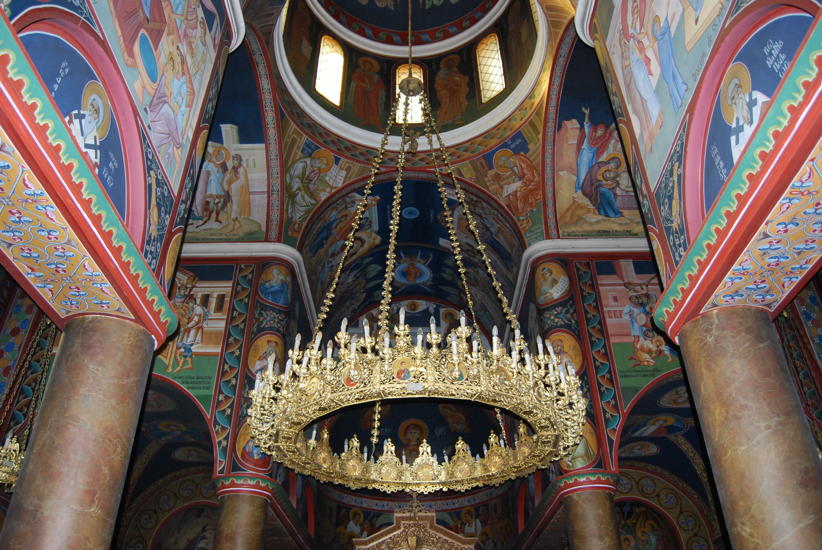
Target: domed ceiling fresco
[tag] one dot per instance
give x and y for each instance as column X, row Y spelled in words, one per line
column 387, row 20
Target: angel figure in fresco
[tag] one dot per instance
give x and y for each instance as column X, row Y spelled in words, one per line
column 169, row 105
column 592, row 142
column 452, row 89
column 236, row 187
column 367, row 92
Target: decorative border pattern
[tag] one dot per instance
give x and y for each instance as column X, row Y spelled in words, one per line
column 611, row 411
column 20, row 85
column 42, row 246
column 231, row 365
column 272, row 131
column 797, row 86
column 784, row 249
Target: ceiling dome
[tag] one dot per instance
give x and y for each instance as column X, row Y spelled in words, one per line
column 386, row 21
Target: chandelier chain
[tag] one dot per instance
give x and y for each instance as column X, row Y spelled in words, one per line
column 362, row 206
column 472, row 225
column 391, row 254
column 449, row 218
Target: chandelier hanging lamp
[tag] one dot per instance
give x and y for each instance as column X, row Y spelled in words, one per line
column 540, row 389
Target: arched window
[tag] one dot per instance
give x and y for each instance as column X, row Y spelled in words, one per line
column 330, row 64
column 414, row 103
column 489, row 67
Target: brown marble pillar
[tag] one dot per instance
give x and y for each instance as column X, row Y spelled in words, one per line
column 72, row 478
column 241, row 522
column 592, row 521
column 762, row 453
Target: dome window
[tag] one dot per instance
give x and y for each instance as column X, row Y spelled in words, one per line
column 415, row 104
column 330, row 64
column 489, row 67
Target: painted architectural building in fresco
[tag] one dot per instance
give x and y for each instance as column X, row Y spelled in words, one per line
column 176, row 189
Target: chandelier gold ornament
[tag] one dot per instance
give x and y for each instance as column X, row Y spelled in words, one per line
column 391, row 363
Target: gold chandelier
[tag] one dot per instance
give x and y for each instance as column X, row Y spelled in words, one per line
column 392, row 364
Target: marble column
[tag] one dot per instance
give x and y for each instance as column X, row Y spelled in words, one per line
column 241, row 522
column 72, row 478
column 592, row 520
column 762, row 453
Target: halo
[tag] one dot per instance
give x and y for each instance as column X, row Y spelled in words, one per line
column 448, row 58
column 739, row 72
column 617, row 156
column 408, row 423
column 94, row 93
column 499, row 156
column 363, row 61
column 220, row 153
column 326, row 156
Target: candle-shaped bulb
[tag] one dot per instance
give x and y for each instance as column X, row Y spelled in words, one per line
column 288, row 365
column 304, row 364
column 445, row 456
column 402, row 316
column 494, row 331
column 271, row 359
column 344, row 324
column 297, row 340
column 462, row 319
column 517, row 333
column 540, row 347
column 502, row 442
column 527, row 359
column 345, row 446
column 484, row 449
column 314, row 433
column 258, row 380
column 403, row 457
column 386, row 340
column 329, row 349
column 365, row 454
column 318, row 341
column 495, row 338
column 353, row 345
column 454, row 343
column 562, row 374
column 432, row 324
column 366, row 328
column 419, row 338
column 474, row 346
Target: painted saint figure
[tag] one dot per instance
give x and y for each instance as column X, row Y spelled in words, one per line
column 599, row 186
column 742, row 106
column 452, row 89
column 592, row 142
column 236, row 186
column 367, row 92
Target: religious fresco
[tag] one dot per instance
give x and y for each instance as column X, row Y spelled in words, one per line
column 485, row 514
column 200, row 297
column 744, row 95
column 628, row 290
column 657, row 51
column 165, row 52
column 177, row 512
column 425, row 265
column 641, row 527
column 231, row 198
column 450, row 79
column 15, row 8
column 592, row 186
column 18, row 313
column 668, row 198
column 387, row 20
column 85, row 105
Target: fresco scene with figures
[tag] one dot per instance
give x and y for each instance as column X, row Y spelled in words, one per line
column 236, row 311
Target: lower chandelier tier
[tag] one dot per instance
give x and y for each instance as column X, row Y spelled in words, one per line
column 542, row 391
